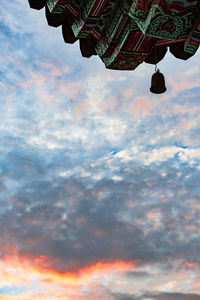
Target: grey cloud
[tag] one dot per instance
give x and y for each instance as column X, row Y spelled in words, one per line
column 159, row 296
column 76, row 224
column 138, row 274
column 125, row 297
column 77, row 220
column 171, row 296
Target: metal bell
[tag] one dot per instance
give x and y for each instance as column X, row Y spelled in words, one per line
column 158, row 83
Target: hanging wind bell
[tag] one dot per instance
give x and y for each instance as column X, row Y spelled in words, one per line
column 158, row 82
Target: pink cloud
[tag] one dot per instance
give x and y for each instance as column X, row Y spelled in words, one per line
column 140, row 107
column 154, row 215
column 128, row 93
column 52, row 69
column 188, row 124
column 112, row 101
column 183, row 263
column 184, row 84
column 191, row 227
column 35, row 79
column 80, row 108
column 108, row 104
column 72, row 89
column 197, row 283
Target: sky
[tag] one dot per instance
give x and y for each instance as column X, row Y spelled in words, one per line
column 99, row 178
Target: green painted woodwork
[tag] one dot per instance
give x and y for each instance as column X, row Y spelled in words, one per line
column 164, row 21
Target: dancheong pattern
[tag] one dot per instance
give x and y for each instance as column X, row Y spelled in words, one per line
column 125, row 33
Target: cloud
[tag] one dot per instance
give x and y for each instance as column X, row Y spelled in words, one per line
column 172, row 296
column 99, row 179
column 90, row 231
